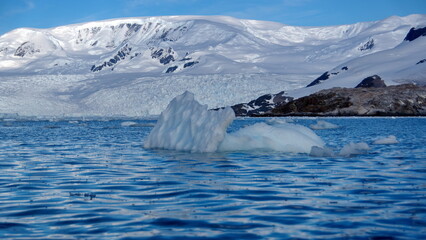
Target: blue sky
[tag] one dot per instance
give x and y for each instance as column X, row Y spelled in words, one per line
column 51, row 13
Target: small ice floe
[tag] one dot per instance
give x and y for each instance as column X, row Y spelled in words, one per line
column 391, row 139
column 277, row 121
column 135, row 124
column 321, row 152
column 354, row 149
column 129, row 124
column 323, row 125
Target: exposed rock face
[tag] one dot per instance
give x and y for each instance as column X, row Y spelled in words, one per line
column 368, row 45
column 401, row 100
column 415, row 33
column 261, row 105
column 165, row 56
column 121, row 55
column 326, row 76
column 26, row 48
column 372, row 82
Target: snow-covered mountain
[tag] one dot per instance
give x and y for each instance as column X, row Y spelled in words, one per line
column 135, row 66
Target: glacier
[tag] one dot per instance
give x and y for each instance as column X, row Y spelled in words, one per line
column 187, row 125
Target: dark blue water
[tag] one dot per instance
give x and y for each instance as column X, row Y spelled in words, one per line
column 94, row 180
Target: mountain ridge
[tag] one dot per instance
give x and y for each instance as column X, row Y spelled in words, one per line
column 135, row 67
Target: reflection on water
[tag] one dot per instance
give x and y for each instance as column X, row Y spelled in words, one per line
column 67, row 180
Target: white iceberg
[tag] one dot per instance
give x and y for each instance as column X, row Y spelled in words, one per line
column 391, row 139
column 323, row 125
column 285, row 137
column 186, row 125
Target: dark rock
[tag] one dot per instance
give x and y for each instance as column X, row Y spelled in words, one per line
column 325, row 76
column 165, row 56
column 262, row 105
column 368, row 45
column 415, row 33
column 372, row 82
column 171, row 69
column 401, row 100
column 26, row 48
column 189, row 64
column 421, row 61
column 320, row 79
column 121, row 55
column 132, row 28
column 167, row 60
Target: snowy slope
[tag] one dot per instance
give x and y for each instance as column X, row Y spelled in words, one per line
column 135, row 66
column 406, row 63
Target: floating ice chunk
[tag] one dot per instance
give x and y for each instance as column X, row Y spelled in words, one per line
column 187, row 125
column 354, row 149
column 323, row 125
column 277, row 121
column 285, row 137
column 321, row 152
column 391, row 139
column 129, row 124
column 135, row 124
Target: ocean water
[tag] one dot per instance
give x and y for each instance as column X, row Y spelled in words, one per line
column 94, row 180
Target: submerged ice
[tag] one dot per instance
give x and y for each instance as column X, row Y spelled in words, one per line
column 186, row 125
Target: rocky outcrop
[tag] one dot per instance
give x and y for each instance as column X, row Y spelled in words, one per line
column 121, row 55
column 415, row 33
column 368, row 45
column 164, row 56
column 326, row 76
column 401, row 100
column 372, row 82
column 26, row 48
column 261, row 105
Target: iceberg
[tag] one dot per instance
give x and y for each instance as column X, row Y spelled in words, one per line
column 186, row 125
column 285, row 137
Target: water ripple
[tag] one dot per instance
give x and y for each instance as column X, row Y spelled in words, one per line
column 95, row 181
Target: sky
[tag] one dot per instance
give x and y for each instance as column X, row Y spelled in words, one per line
column 52, row 13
